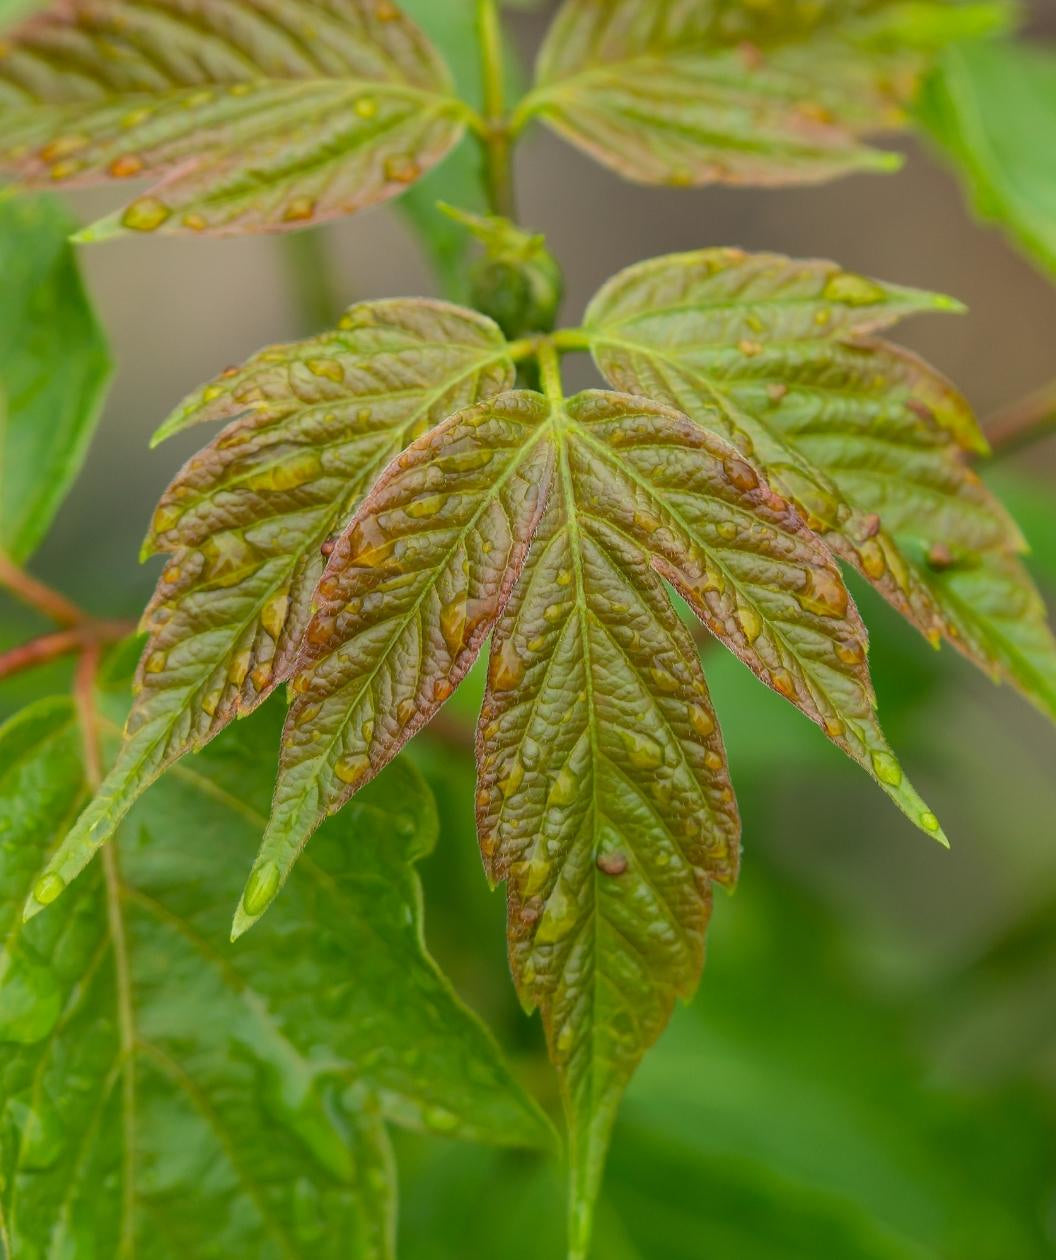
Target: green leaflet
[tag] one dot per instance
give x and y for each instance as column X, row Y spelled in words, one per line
column 250, row 117
column 312, row 425
column 866, row 439
column 992, row 109
column 763, row 94
column 605, row 801
column 54, row 368
column 410, row 592
column 164, row 1091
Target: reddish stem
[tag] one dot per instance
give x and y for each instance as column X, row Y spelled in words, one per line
column 1023, row 422
column 54, row 606
column 84, row 697
column 49, row 647
column 83, row 633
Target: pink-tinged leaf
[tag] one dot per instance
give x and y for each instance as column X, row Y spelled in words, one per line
column 867, row 440
column 248, row 115
column 411, row 590
column 248, row 519
column 605, row 802
column 688, row 94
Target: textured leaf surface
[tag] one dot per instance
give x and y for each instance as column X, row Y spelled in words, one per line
column 255, row 115
column 165, row 1094
column 604, row 796
column 54, row 368
column 993, row 109
column 605, row 802
column 411, row 590
column 867, row 440
column 314, row 423
column 681, row 93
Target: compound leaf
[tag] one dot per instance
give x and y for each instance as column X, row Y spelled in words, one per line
column 411, row 590
column 54, row 369
column 737, row 93
column 992, row 108
column 166, row 1095
column 312, row 425
column 867, row 440
column 251, row 116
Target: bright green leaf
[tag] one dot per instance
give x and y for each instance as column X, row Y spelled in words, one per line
column 169, row 1095
column 311, row 426
column 54, row 369
column 410, row 592
column 866, row 439
column 739, row 93
column 249, row 118
column 992, row 108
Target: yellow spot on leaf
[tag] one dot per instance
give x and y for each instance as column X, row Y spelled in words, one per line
column 146, row 214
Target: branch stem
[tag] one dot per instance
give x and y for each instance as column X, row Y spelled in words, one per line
column 40, row 597
column 88, row 636
column 549, row 370
column 1024, row 422
column 311, row 280
column 498, row 167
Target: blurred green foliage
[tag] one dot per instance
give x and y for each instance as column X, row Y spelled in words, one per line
column 992, row 108
column 54, row 369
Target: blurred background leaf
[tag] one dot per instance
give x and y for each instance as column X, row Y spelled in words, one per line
column 148, row 1066
column 992, row 109
column 54, row 368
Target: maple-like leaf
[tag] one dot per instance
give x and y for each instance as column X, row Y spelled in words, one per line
column 866, row 439
column 738, row 93
column 165, row 1095
column 311, row 426
column 251, row 115
column 603, row 794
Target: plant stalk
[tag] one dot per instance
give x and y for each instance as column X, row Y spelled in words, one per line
column 81, row 633
column 311, row 281
column 1024, row 422
column 36, row 595
column 549, row 370
column 49, row 647
column 498, row 166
